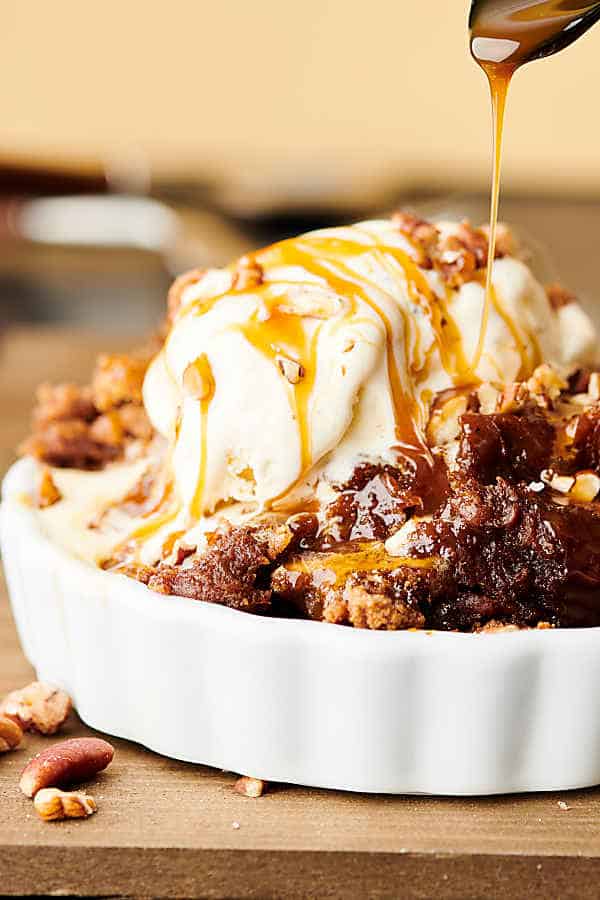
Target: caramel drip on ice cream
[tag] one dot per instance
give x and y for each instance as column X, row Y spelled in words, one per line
column 283, row 339
column 323, row 261
column 448, row 338
column 205, row 377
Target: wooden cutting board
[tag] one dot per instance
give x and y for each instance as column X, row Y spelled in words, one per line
column 168, row 829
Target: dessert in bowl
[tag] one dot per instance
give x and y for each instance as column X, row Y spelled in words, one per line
column 324, row 435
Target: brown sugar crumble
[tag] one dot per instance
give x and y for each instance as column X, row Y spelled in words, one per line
column 498, row 539
column 87, row 427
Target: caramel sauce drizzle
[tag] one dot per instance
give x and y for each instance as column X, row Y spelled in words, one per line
column 205, row 371
column 528, row 361
column 282, row 334
column 125, row 552
column 369, row 556
column 448, row 339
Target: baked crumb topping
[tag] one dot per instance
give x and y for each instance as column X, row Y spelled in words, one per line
column 504, row 530
column 87, row 427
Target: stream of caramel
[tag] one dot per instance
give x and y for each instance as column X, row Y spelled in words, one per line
column 506, row 34
column 499, row 77
column 206, row 376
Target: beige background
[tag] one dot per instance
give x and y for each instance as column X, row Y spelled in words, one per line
column 191, row 84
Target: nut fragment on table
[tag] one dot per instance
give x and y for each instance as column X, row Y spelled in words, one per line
column 52, row 804
column 37, row 707
column 11, row 734
column 65, row 763
column 250, row 787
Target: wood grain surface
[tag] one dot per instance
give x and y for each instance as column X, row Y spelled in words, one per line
column 167, row 829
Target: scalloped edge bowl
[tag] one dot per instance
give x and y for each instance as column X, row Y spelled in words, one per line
column 297, row 701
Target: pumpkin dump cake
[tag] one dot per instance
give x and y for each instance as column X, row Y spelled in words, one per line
column 323, row 430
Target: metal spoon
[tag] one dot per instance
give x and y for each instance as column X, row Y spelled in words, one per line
column 531, row 29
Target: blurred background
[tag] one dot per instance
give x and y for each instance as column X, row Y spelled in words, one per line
column 141, row 139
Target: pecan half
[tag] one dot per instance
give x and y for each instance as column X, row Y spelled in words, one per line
column 65, row 763
column 52, row 804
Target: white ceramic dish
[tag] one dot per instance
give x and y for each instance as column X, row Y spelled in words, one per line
column 304, row 702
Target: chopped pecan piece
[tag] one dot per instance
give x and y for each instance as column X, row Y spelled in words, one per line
column 11, row 733
column 117, row 379
column 462, row 253
column 558, row 296
column 248, row 274
column 454, row 261
column 38, row 707
column 107, row 429
column 52, row 804
column 175, row 295
column 422, row 233
column 62, row 402
column 135, row 422
column 475, row 241
column 290, row 369
column 182, row 552
column 250, row 787
column 47, row 494
column 506, row 244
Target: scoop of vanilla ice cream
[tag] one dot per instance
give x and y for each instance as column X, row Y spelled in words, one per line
column 332, row 359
